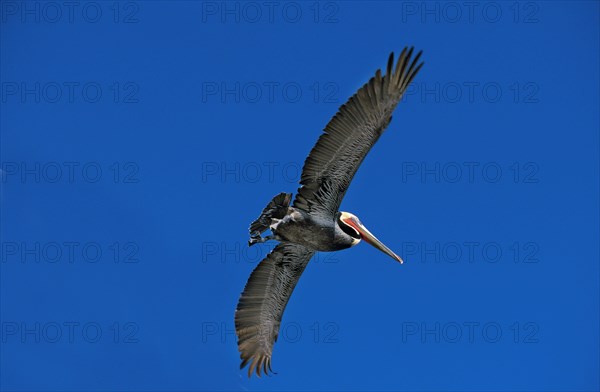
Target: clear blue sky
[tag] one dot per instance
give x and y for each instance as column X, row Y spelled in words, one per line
column 140, row 139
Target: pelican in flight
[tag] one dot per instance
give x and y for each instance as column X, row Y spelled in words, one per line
column 313, row 222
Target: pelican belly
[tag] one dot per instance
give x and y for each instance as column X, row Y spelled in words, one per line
column 299, row 228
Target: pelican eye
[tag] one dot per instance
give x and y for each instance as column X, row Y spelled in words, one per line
column 351, row 231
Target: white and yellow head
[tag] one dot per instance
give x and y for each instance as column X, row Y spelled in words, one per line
column 351, row 225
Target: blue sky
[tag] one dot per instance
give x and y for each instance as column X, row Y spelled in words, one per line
column 140, row 139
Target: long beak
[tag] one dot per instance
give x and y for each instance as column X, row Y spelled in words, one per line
column 371, row 239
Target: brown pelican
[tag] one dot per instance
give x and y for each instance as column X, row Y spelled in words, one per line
column 314, row 222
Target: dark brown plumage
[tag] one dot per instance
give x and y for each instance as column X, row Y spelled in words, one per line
column 349, row 136
column 261, row 305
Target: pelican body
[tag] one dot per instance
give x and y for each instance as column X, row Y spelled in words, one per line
column 321, row 235
column 314, row 232
column 313, row 222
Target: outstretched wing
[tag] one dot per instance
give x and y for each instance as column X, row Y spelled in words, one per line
column 259, row 311
column 349, row 136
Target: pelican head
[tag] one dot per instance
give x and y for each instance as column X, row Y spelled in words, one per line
column 351, row 225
